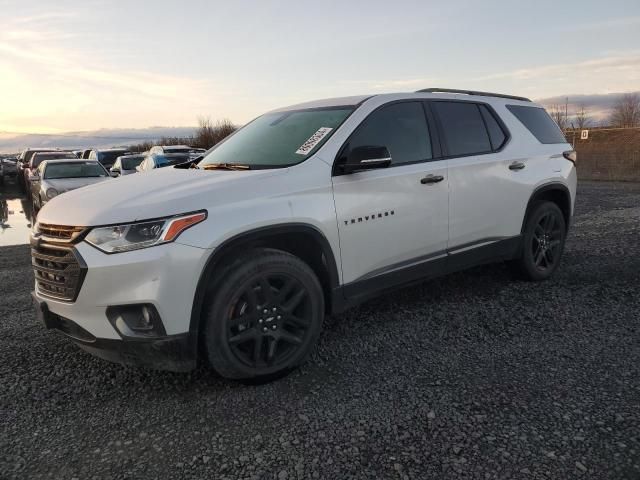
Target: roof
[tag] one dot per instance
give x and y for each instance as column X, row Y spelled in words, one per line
column 69, row 160
column 326, row 102
column 425, row 93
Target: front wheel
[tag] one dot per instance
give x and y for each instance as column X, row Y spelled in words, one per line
column 543, row 242
column 264, row 315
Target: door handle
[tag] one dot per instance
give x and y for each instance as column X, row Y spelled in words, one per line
column 516, row 166
column 431, row 179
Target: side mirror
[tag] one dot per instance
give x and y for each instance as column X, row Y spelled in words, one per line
column 114, row 173
column 367, row 158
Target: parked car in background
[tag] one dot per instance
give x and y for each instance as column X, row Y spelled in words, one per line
column 53, row 177
column 8, row 168
column 185, row 149
column 37, row 158
column 126, row 164
column 108, row 156
column 23, row 160
column 196, row 153
column 155, row 160
column 163, row 149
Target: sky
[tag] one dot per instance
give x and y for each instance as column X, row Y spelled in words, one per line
column 76, row 65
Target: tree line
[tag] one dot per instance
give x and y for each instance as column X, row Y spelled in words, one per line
column 625, row 114
column 206, row 135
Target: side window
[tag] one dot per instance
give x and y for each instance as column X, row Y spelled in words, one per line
column 463, row 128
column 539, row 123
column 496, row 134
column 401, row 127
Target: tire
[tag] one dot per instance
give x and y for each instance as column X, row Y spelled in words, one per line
column 263, row 316
column 543, row 242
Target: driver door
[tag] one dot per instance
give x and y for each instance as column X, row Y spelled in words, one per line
column 393, row 222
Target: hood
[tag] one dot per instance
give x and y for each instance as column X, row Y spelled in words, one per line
column 66, row 184
column 159, row 193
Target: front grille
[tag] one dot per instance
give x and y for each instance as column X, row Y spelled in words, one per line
column 59, row 233
column 58, row 268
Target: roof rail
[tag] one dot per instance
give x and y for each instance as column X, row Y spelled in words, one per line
column 472, row 92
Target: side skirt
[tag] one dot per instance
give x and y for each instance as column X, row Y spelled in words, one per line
column 460, row 258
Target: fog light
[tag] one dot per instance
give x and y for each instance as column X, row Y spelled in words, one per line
column 140, row 320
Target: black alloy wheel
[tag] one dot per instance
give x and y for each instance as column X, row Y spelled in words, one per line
column 269, row 320
column 264, row 315
column 546, row 241
column 543, row 241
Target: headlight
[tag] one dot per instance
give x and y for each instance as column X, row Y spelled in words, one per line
column 133, row 236
column 51, row 192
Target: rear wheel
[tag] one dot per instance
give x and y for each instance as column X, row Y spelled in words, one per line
column 543, row 242
column 264, row 315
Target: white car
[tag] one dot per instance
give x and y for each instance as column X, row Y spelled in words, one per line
column 157, row 160
column 126, row 164
column 305, row 211
column 53, row 177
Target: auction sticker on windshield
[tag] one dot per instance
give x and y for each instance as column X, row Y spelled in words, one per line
column 313, row 140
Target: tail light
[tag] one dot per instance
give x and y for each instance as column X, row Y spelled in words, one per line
column 571, row 155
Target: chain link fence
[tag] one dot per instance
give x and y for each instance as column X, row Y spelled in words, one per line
column 608, row 154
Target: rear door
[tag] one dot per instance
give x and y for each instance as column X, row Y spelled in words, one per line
column 481, row 179
column 391, row 219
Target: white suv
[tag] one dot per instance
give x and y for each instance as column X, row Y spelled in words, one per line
column 305, row 211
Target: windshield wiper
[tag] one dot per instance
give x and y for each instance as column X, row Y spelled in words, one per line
column 225, row 166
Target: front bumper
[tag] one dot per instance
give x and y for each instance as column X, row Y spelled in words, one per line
column 165, row 276
column 175, row 353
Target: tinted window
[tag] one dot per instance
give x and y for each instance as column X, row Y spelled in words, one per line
column 38, row 158
column 107, row 158
column 539, row 123
column 463, row 128
column 496, row 134
column 401, row 127
column 130, row 163
column 74, row 170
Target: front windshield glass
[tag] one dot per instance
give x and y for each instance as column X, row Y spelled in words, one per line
column 38, row 158
column 176, row 150
column 162, row 161
column 109, row 157
column 73, row 170
column 130, row 163
column 278, row 139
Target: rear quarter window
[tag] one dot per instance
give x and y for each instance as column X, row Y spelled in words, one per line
column 539, row 123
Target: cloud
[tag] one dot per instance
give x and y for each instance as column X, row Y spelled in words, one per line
column 620, row 22
column 598, row 107
column 51, row 85
column 614, row 73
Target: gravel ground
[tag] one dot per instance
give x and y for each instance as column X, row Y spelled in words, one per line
column 470, row 376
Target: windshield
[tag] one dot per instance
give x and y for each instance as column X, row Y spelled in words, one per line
column 73, row 170
column 38, row 158
column 176, row 150
column 130, row 163
column 108, row 158
column 279, row 139
column 162, row 161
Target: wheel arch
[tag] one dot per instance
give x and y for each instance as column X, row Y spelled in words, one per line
column 302, row 240
column 557, row 193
